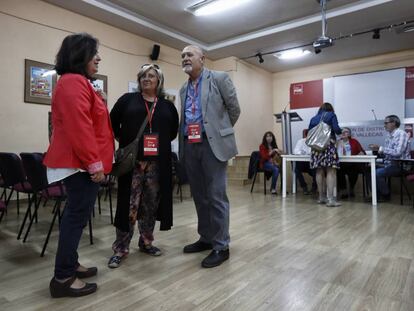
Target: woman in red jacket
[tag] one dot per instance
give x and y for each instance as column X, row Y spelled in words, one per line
column 269, row 158
column 348, row 146
column 80, row 153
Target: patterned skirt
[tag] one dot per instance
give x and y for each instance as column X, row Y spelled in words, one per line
column 326, row 158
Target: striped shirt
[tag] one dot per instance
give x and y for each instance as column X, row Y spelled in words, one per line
column 396, row 146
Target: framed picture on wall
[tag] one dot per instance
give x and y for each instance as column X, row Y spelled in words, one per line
column 39, row 81
column 101, row 82
column 132, row 86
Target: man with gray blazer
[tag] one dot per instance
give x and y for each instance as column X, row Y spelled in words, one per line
column 209, row 110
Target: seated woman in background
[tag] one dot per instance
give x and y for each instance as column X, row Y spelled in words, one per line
column 349, row 146
column 270, row 158
column 145, row 193
column 326, row 162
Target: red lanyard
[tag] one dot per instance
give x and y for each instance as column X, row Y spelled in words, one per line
column 193, row 99
column 150, row 114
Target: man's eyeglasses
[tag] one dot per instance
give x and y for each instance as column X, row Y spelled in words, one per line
column 386, row 122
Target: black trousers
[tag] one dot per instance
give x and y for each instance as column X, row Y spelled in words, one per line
column 304, row 167
column 352, row 170
column 81, row 195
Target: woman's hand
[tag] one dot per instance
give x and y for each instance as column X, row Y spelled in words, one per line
column 98, row 177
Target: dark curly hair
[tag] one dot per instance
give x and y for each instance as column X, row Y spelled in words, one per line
column 75, row 53
column 273, row 143
column 326, row 107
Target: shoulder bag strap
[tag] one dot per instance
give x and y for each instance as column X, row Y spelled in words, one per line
column 323, row 114
column 143, row 125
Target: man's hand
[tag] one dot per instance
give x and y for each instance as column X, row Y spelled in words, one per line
column 373, row 147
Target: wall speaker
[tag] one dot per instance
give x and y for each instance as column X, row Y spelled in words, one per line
column 155, row 52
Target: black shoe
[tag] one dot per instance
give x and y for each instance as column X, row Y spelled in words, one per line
column 148, row 248
column 215, row 258
column 384, row 198
column 92, row 271
column 344, row 196
column 58, row 289
column 197, row 247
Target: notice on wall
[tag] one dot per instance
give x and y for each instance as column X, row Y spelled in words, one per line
column 369, row 132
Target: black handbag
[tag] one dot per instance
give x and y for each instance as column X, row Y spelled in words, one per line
column 126, row 157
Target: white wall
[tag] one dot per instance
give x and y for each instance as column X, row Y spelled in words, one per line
column 34, row 30
column 254, row 92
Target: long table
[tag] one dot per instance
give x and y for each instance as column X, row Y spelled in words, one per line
column 352, row 159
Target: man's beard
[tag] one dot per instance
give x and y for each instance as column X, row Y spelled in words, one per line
column 187, row 69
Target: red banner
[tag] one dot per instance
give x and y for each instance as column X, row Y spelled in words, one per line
column 409, row 83
column 306, row 94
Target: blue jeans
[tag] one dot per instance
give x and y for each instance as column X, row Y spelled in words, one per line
column 270, row 167
column 81, row 195
column 382, row 173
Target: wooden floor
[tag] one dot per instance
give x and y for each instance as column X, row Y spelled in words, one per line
column 285, row 255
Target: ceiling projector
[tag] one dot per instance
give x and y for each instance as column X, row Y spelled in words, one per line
column 323, row 42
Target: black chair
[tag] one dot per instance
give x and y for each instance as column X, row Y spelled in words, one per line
column 254, row 169
column 106, row 186
column 14, row 177
column 366, row 180
column 36, row 175
column 3, row 209
column 406, row 169
column 179, row 174
column 409, row 178
column 3, row 195
column 365, row 171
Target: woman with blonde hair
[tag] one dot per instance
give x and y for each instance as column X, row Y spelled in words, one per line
column 145, row 194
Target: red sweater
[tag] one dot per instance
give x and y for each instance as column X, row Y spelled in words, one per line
column 264, row 155
column 356, row 147
column 82, row 135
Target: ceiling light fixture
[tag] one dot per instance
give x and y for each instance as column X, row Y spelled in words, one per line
column 260, row 57
column 209, row 7
column 292, row 54
column 323, row 41
column 408, row 28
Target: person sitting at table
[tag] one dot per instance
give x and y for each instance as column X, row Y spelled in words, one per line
column 304, row 167
column 270, row 158
column 396, row 147
column 348, row 146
